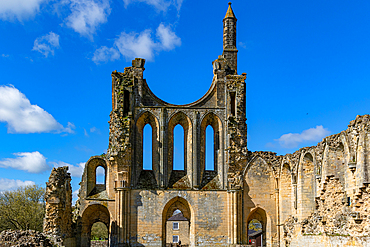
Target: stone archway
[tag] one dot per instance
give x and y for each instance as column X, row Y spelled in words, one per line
column 173, row 176
column 257, row 215
column 178, row 204
column 92, row 214
column 146, row 178
column 306, row 186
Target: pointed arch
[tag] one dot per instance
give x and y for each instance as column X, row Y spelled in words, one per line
column 182, row 119
column 211, row 119
column 285, row 192
column 178, row 203
column 92, row 214
column 258, row 187
column 306, row 185
column 260, row 215
column 144, row 119
column 90, row 168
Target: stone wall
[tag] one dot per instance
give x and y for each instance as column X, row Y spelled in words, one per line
column 58, row 214
column 207, row 211
column 99, row 243
column 10, row 238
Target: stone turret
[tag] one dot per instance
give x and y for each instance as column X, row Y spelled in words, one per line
column 229, row 40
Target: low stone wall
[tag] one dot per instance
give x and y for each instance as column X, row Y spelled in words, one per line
column 99, row 243
column 10, row 238
column 326, row 241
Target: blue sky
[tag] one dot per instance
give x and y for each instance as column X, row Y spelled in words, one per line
column 307, row 64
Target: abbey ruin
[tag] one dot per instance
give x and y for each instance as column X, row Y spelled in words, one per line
column 317, row 196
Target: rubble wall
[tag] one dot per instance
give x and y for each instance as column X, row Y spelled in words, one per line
column 340, row 191
column 58, row 214
column 330, row 241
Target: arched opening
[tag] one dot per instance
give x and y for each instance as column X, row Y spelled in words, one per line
column 178, row 150
column 256, row 223
column 255, row 232
column 211, row 144
column 306, row 187
column 99, row 233
column 96, row 175
column 126, row 102
column 232, row 103
column 177, row 225
column 180, row 146
column 146, row 172
column 93, row 214
column 210, row 149
column 147, row 148
column 100, row 175
column 286, row 192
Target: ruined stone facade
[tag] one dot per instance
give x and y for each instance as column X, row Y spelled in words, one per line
column 58, row 198
column 317, row 196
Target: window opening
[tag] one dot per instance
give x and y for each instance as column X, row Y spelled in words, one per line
column 147, row 147
column 126, row 102
column 210, row 149
column 176, row 225
column 178, row 147
column 232, row 103
column 175, row 238
column 100, row 175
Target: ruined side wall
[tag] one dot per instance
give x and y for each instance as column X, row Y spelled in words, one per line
column 58, row 197
column 321, row 191
column 334, row 223
column 340, row 193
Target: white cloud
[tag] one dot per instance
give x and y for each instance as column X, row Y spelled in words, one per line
column 75, row 195
column 94, row 130
column 242, row 44
column 87, row 15
column 132, row 45
column 33, row 162
column 105, row 54
column 70, row 128
column 19, row 9
column 46, row 44
column 291, row 140
column 75, row 170
column 168, row 39
column 11, row 184
column 23, row 117
column 159, row 5
column 4, row 55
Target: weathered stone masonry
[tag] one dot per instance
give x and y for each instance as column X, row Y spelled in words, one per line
column 317, row 196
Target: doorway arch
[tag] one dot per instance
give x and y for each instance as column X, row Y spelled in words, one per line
column 174, row 205
column 92, row 214
column 257, row 215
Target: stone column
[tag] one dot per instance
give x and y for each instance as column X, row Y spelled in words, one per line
column 233, row 203
column 123, row 213
column 163, row 176
column 196, row 141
